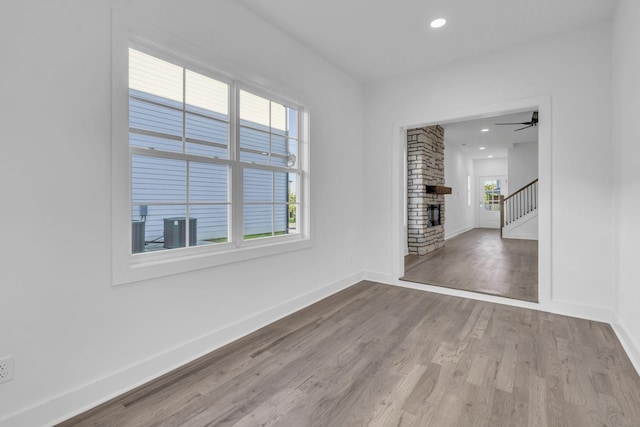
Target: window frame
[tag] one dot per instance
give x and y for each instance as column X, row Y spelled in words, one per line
column 128, row 267
column 242, row 165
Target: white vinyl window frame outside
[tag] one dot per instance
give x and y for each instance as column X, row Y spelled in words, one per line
column 128, row 267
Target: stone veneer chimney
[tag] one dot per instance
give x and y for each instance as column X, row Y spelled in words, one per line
column 425, row 166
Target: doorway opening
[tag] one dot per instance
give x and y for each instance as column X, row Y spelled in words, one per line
column 485, row 162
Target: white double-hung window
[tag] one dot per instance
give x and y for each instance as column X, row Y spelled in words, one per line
column 216, row 167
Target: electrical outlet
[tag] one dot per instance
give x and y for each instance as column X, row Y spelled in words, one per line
column 6, row 369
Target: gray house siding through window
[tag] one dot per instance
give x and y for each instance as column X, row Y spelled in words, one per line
column 157, row 181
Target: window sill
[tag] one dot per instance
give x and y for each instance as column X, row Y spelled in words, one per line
column 147, row 266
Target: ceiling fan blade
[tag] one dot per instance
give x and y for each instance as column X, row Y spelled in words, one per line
column 523, row 123
column 530, row 126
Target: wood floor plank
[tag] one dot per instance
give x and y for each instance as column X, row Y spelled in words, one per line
column 390, row 411
column 476, row 402
column 538, row 403
column 378, row 355
column 507, row 370
column 502, row 410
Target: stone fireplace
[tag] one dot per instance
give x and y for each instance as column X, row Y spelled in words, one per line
column 425, row 189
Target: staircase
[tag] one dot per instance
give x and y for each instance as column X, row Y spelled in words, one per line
column 519, row 213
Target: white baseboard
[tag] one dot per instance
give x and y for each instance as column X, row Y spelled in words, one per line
column 87, row 396
column 375, row 276
column 390, row 280
column 630, row 346
column 520, row 236
column 597, row 314
column 458, row 232
column 515, row 234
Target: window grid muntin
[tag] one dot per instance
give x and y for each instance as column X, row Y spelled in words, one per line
column 270, row 129
column 274, row 201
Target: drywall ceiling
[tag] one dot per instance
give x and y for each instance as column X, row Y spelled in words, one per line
column 468, row 136
column 375, row 39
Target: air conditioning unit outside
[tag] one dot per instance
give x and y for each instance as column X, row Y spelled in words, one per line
column 175, row 231
column 137, row 236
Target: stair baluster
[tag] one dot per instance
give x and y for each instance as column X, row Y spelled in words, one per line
column 518, row 204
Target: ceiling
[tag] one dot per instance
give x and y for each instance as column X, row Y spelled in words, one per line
column 468, row 135
column 376, row 39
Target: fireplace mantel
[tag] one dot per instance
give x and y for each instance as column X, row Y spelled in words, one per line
column 438, row 189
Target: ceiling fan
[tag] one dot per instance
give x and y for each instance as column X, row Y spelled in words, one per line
column 533, row 122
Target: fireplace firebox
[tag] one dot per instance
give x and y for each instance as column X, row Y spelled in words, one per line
column 433, row 213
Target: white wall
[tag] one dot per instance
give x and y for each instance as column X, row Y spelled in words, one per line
column 523, row 165
column 75, row 338
column 574, row 70
column 626, row 142
column 491, row 167
column 459, row 216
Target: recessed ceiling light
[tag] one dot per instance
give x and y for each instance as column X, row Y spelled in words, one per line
column 482, row 148
column 491, row 156
column 437, row 23
column 484, row 130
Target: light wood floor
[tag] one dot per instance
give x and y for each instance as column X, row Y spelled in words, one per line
column 480, row 261
column 379, row 355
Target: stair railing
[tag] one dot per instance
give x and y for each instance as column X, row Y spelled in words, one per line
column 518, row 204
